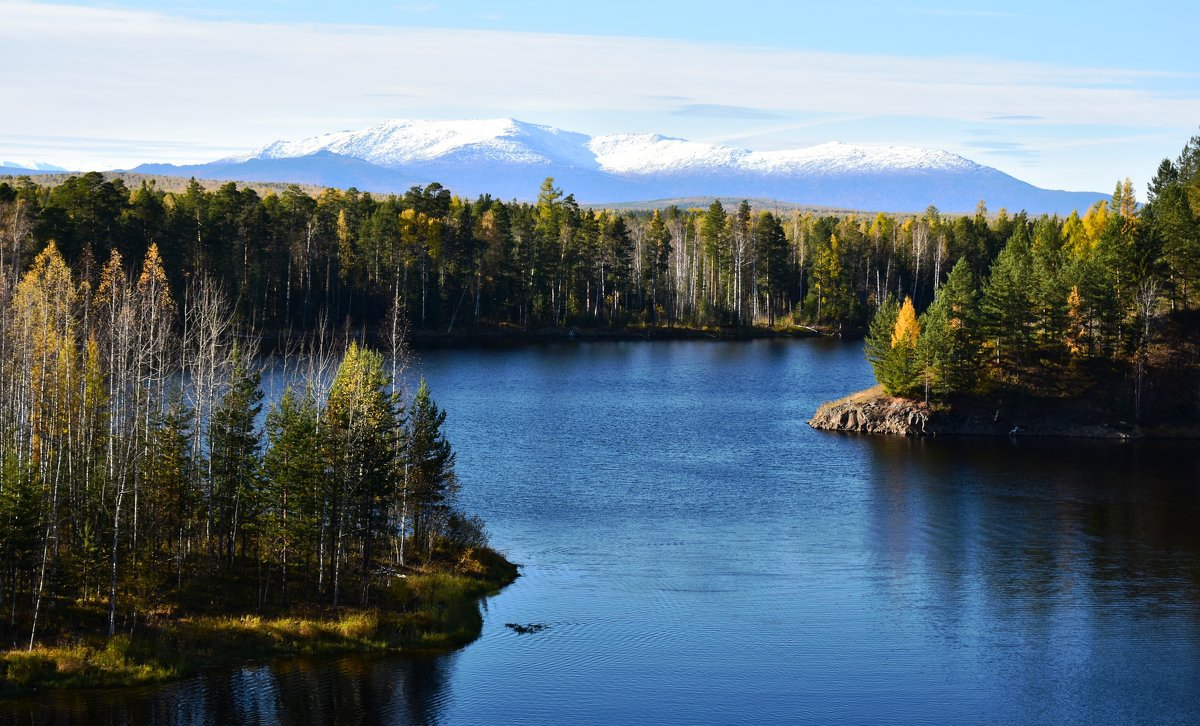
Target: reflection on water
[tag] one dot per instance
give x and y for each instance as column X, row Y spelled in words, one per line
column 701, row 555
column 342, row 690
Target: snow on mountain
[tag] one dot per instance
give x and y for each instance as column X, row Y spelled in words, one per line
column 29, row 166
column 651, row 154
column 836, row 157
column 400, row 142
column 509, row 159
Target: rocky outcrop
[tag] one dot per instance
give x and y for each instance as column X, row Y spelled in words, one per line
column 873, row 412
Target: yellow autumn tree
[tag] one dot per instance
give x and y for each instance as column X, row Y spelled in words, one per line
column 907, row 328
column 891, row 346
column 48, row 360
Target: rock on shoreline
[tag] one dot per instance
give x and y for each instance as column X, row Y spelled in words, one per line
column 873, row 412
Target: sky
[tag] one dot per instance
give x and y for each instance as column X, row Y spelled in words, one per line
column 1060, row 94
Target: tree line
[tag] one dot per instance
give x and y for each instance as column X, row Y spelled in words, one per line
column 139, row 473
column 1062, row 304
column 291, row 261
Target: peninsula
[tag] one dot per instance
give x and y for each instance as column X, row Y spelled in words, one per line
column 1075, row 327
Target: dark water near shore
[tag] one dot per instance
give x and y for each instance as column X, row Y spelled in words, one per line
column 701, row 556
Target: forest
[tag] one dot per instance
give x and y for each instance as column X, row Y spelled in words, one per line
column 292, row 262
column 1065, row 308
column 140, row 475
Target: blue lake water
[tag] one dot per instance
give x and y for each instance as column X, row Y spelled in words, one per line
column 700, row 555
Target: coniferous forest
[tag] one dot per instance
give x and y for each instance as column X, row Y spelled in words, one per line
column 1065, row 305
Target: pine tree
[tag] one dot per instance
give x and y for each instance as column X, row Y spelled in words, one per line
column 167, row 478
column 771, row 254
column 827, row 285
column 362, row 420
column 1006, row 305
column 891, row 347
column 949, row 343
column 235, row 453
column 656, row 254
column 294, row 480
column 430, row 465
column 878, row 341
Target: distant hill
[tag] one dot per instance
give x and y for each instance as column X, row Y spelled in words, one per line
column 509, row 159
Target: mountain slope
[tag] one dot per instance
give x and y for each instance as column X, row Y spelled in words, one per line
column 509, row 159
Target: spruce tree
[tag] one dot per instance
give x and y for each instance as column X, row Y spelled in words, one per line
column 891, row 347
column 430, row 465
column 294, row 473
column 949, row 342
column 878, row 341
column 1006, row 305
column 235, row 453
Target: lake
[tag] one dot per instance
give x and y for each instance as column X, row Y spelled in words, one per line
column 700, row 555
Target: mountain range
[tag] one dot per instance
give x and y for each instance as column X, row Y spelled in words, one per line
column 510, row 159
column 27, row 167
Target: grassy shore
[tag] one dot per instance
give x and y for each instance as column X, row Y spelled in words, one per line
column 428, row 610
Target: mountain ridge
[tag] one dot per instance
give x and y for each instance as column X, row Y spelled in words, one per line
column 510, row 158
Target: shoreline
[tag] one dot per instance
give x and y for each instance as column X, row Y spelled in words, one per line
column 439, row 611
column 870, row 411
column 503, row 336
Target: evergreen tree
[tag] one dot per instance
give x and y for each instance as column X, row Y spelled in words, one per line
column 831, row 302
column 878, row 341
column 360, row 445
column 294, row 473
column 168, row 477
column 949, row 342
column 1005, row 306
column 771, row 254
column 234, row 442
column 891, row 347
column 430, row 466
column 656, row 255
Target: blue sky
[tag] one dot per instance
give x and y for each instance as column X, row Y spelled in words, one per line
column 1064, row 95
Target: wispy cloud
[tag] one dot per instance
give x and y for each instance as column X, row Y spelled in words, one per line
column 717, row 110
column 1005, row 148
column 224, row 84
column 780, row 131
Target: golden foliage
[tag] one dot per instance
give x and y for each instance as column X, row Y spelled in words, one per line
column 907, row 328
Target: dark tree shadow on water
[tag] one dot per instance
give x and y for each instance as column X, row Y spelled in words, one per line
column 331, row 690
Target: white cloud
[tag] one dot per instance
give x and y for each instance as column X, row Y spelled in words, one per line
column 122, row 74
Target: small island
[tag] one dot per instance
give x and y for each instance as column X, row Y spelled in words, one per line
column 1076, row 327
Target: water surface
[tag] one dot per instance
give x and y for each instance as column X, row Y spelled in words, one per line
column 701, row 556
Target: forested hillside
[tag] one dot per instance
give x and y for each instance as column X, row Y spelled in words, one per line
column 1066, row 306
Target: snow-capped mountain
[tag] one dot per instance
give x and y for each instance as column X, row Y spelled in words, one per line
column 27, row 167
column 653, row 154
column 396, row 144
column 509, row 159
